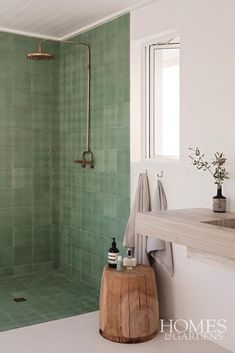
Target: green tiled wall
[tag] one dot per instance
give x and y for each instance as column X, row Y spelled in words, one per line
column 95, row 203
column 34, row 155
column 29, row 157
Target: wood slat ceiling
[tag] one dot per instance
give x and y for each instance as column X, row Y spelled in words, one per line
column 59, row 19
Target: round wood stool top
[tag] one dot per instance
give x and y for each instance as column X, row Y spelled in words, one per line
column 129, row 304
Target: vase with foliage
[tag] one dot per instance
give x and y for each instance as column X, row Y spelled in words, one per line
column 217, row 170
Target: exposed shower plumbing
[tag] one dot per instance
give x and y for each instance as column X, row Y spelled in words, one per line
column 87, row 159
column 87, row 156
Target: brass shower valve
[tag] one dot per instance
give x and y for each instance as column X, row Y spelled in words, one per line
column 83, row 163
column 87, row 160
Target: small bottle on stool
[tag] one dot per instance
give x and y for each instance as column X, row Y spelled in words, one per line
column 113, row 255
column 119, row 263
column 129, row 259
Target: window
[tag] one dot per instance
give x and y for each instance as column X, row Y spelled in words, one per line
column 162, row 99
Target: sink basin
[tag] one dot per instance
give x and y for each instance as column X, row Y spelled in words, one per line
column 227, row 223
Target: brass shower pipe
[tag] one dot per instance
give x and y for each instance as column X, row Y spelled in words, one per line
column 87, row 156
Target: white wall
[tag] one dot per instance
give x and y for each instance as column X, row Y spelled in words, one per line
column 207, row 35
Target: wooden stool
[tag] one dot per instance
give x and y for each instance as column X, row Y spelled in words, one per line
column 129, row 305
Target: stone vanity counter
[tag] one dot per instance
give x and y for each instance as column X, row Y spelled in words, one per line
column 196, row 228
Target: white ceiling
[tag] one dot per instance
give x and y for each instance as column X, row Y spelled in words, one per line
column 59, row 19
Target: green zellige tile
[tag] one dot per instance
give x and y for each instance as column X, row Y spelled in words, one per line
column 6, row 197
column 41, row 177
column 22, row 215
column 42, row 253
column 6, row 117
column 41, row 83
column 6, row 137
column 6, row 257
column 22, row 177
column 41, row 139
column 42, row 158
column 41, row 235
column 123, row 161
column 41, row 196
column 22, row 138
column 5, row 178
column 22, row 99
column 6, row 236
column 42, row 215
column 23, row 255
column 6, row 216
column 21, row 80
column 23, row 196
column 22, row 158
column 22, row 118
column 5, row 158
column 22, row 236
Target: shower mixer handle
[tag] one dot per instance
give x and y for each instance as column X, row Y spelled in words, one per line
column 87, row 160
column 83, row 163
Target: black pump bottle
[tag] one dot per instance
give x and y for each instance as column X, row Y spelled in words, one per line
column 113, row 255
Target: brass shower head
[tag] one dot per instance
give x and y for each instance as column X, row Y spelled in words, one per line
column 40, row 55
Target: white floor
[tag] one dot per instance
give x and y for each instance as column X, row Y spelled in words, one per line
column 79, row 334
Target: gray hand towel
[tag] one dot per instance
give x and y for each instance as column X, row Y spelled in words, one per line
column 141, row 204
column 160, row 250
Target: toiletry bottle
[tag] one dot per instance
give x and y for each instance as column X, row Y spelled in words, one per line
column 119, row 263
column 113, row 254
column 129, row 259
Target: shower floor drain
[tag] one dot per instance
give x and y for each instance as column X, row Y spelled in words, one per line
column 18, row 300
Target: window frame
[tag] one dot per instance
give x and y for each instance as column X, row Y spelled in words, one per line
column 148, row 101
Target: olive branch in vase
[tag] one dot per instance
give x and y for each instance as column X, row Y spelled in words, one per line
column 216, row 167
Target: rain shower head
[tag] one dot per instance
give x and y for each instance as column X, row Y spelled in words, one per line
column 87, row 156
column 40, row 55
